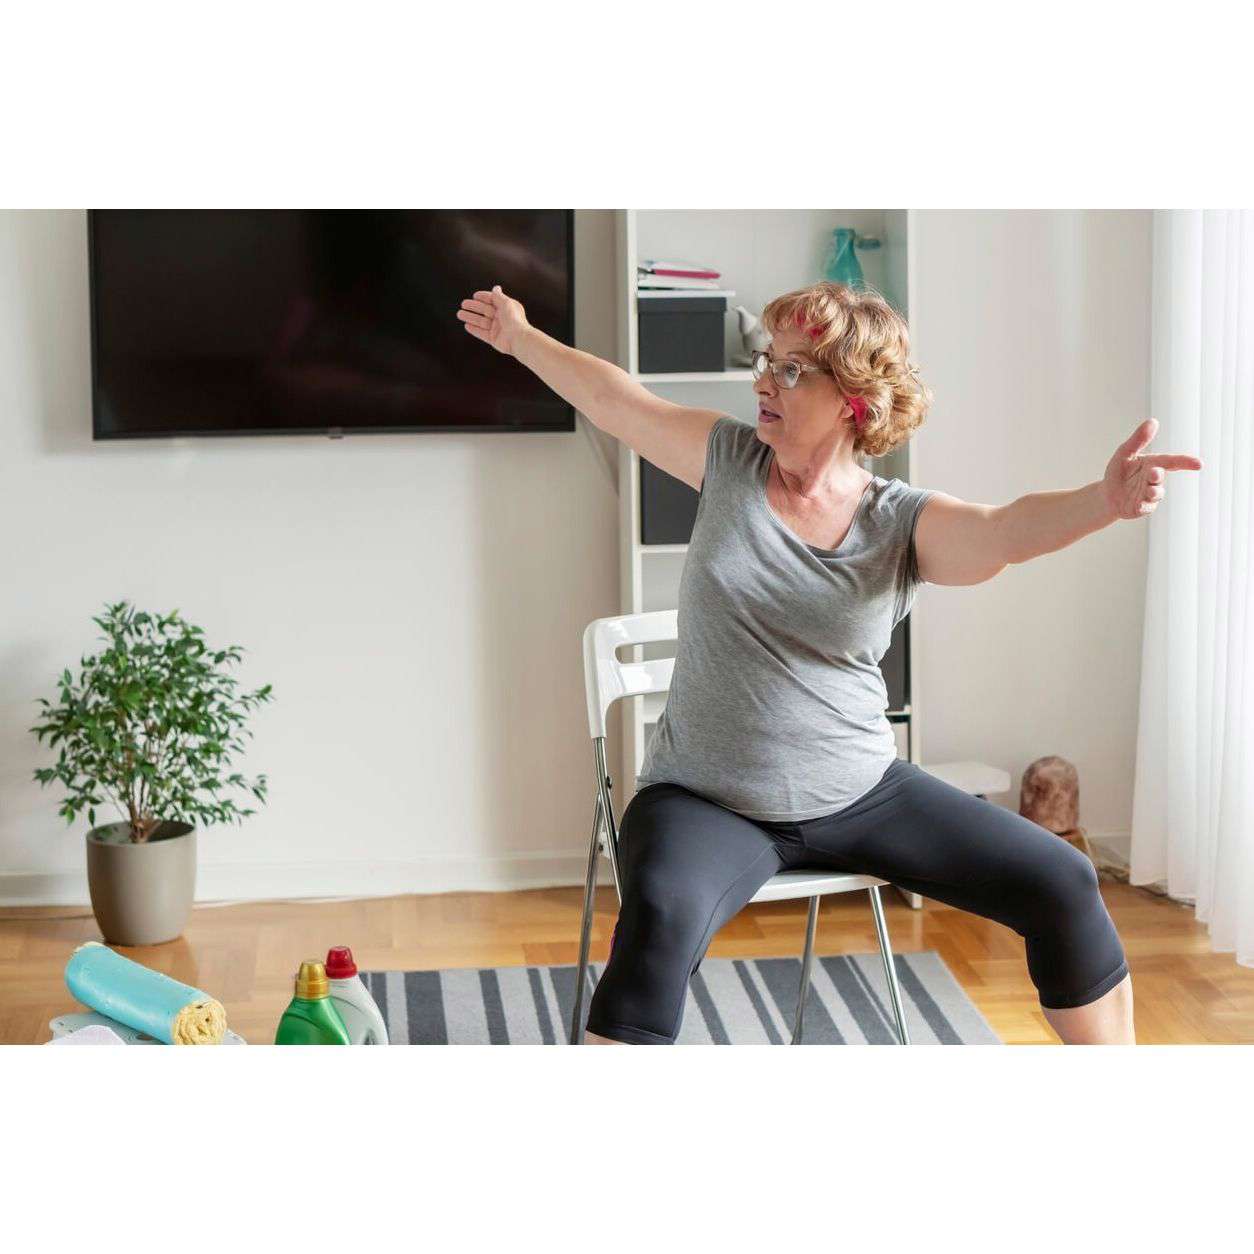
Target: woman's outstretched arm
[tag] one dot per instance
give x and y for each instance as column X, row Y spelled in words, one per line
column 961, row 543
column 673, row 437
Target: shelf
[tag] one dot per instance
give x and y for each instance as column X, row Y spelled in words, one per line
column 669, row 293
column 736, row 375
column 663, row 548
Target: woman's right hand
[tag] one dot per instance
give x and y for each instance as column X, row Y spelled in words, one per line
column 495, row 318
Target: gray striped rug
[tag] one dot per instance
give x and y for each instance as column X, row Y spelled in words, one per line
column 730, row 1002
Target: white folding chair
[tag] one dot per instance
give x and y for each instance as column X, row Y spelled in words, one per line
column 606, row 680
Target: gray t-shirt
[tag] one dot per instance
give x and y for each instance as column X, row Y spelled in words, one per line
column 776, row 708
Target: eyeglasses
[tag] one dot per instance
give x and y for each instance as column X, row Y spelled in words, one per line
column 786, row 373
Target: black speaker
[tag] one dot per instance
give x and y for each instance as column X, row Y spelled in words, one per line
column 668, row 507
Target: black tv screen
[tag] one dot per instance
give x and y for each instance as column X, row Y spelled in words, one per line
column 265, row 322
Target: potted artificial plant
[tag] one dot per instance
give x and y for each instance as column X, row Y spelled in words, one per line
column 151, row 725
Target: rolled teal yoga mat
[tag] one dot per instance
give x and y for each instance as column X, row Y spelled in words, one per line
column 143, row 999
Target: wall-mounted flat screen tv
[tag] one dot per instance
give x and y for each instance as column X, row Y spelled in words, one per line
column 280, row 321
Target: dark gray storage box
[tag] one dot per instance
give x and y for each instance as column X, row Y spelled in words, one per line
column 681, row 333
column 895, row 665
column 668, row 507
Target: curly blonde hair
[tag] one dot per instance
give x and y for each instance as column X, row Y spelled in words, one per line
column 864, row 342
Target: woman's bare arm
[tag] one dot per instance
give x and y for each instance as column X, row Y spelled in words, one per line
column 672, row 437
column 960, row 543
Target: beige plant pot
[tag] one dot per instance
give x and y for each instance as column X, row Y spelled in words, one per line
column 141, row 894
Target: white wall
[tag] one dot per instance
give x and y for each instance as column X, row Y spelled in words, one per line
column 1033, row 329
column 417, row 601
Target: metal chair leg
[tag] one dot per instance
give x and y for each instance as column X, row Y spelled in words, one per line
column 585, row 935
column 807, row 962
column 604, row 785
column 890, row 969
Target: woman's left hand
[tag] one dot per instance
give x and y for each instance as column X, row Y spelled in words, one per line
column 1135, row 482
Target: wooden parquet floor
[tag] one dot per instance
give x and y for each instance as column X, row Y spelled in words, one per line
column 247, row 955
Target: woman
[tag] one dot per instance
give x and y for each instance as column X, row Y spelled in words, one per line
column 773, row 750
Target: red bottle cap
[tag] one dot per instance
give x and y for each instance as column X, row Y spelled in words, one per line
column 340, row 964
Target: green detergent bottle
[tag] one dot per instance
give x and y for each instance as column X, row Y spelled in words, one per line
column 311, row 1018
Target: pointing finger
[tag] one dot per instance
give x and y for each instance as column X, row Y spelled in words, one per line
column 1175, row 461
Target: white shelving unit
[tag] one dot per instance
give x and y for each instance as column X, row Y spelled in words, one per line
column 761, row 254
column 698, row 376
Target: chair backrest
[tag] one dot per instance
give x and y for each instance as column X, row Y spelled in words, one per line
column 606, row 679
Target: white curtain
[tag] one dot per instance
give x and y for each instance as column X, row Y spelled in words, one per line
column 1193, row 805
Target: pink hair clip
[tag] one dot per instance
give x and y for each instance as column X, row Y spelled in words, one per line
column 812, row 332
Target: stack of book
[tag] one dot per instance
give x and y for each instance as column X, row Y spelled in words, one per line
column 676, row 276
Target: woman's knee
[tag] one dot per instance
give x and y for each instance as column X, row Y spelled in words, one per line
column 640, row 996
column 1061, row 883
column 1071, row 875
column 661, row 913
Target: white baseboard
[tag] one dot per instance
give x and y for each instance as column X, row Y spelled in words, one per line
column 268, row 881
column 1115, row 845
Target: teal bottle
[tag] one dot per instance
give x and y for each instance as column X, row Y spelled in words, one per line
column 842, row 261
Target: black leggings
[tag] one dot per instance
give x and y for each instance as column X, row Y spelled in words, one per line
column 688, row 865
